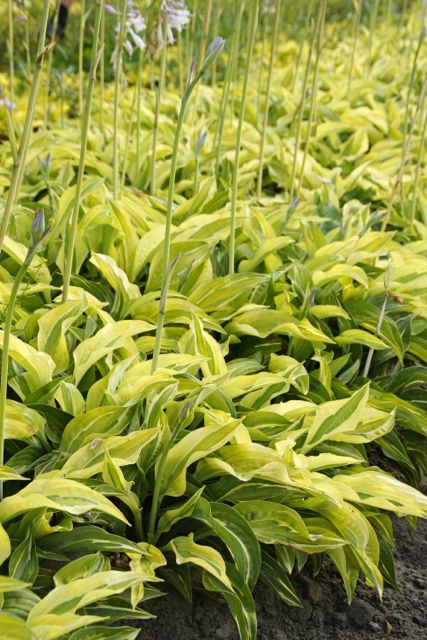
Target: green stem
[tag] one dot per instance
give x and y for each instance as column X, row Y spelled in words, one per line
column 267, row 96
column 81, row 52
column 11, row 134
column 118, row 70
column 156, row 501
column 251, row 41
column 5, row 355
column 128, row 135
column 166, row 272
column 216, row 23
column 167, row 268
column 227, row 86
column 405, row 152
column 196, row 173
column 10, row 46
column 102, row 75
column 71, row 239
column 49, row 66
column 301, row 46
column 412, row 81
column 372, row 29
column 403, row 14
column 138, row 112
column 387, row 278
column 260, row 72
column 159, row 93
column 205, row 34
column 23, row 147
column 27, row 47
column 313, row 89
column 301, row 114
column 180, row 62
column 418, row 169
column 166, row 280
column 356, row 31
column 193, row 32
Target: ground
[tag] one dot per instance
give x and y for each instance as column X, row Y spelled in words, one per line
column 325, row 614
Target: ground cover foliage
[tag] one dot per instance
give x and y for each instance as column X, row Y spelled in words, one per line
column 285, row 379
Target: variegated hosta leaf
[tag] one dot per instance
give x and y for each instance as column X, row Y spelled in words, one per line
column 14, row 628
column 56, row 612
column 57, row 494
column 188, row 551
column 219, row 429
column 21, row 422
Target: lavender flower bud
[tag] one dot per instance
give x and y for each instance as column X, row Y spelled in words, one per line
column 39, row 226
column 214, row 51
column 200, row 142
column 8, row 104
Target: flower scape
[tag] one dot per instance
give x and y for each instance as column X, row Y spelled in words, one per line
column 213, row 289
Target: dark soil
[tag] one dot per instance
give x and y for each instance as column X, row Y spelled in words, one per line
column 325, row 614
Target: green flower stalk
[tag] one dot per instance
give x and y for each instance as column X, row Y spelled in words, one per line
column 387, row 279
column 253, row 21
column 321, row 24
column 128, row 29
column 200, row 143
column 301, row 46
column 160, row 470
column 205, row 34
column 356, row 30
column 8, row 107
column 102, row 75
column 19, row 165
column 417, row 171
column 301, row 109
column 138, row 110
column 267, row 95
column 405, row 152
column 217, row 143
column 372, row 28
column 158, row 94
column 72, row 230
column 27, row 47
column 49, row 65
column 213, row 52
column 10, row 48
column 260, row 71
column 81, row 53
column 39, row 232
column 129, row 134
column 421, row 39
column 117, row 76
column 193, row 29
column 173, row 17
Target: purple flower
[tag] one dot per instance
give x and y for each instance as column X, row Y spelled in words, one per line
column 8, row 104
column 134, row 25
column 174, row 16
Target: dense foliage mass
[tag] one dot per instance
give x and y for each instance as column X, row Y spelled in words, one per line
column 282, row 420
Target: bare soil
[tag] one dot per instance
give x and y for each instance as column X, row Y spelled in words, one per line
column 325, row 614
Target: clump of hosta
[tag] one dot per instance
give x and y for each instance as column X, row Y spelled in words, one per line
column 134, row 26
